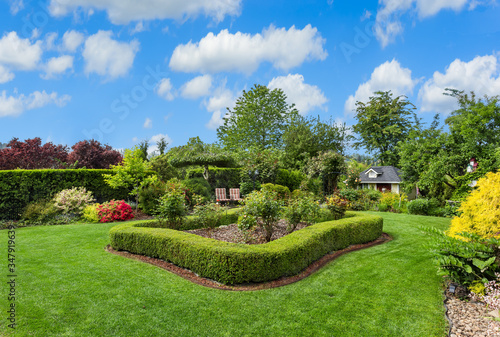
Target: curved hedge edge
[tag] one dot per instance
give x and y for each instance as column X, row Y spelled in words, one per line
column 232, row 263
column 282, row 281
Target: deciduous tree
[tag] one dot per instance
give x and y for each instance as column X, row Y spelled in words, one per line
column 92, row 155
column 31, row 154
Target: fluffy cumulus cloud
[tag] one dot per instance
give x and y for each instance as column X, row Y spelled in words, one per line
column 108, row 57
column 72, row 40
column 221, row 99
column 15, row 106
column 58, row 65
column 123, row 12
column 241, row 52
column 165, row 89
column 306, row 97
column 481, row 75
column 387, row 22
column 197, row 87
column 387, row 76
column 18, row 53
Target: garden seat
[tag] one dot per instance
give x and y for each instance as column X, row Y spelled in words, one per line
column 234, row 194
column 220, row 195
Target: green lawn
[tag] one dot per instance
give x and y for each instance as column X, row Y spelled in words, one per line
column 67, row 285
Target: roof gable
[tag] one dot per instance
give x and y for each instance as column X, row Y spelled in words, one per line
column 382, row 174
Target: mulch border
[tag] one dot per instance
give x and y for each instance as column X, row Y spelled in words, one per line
column 282, row 281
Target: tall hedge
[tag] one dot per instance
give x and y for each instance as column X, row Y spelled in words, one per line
column 20, row 187
column 233, row 263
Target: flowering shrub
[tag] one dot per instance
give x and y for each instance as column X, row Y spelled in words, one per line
column 490, row 293
column 393, row 202
column 264, row 206
column 480, row 212
column 114, row 211
column 91, row 213
column 337, row 206
column 73, row 200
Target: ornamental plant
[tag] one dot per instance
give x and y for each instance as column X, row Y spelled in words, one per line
column 262, row 208
column 115, row 211
column 303, row 208
column 466, row 260
column 91, row 213
column 337, row 206
column 480, row 212
column 489, row 293
column 73, row 201
column 209, row 215
column 172, row 206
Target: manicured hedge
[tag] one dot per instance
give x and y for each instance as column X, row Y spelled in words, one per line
column 20, row 187
column 232, row 263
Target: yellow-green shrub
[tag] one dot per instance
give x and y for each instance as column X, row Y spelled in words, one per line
column 480, row 212
column 91, row 213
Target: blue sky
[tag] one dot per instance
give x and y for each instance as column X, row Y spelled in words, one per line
column 125, row 71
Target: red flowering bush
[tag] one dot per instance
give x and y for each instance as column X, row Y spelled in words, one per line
column 114, row 211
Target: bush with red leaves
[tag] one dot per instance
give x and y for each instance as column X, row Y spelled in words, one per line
column 92, row 155
column 30, row 154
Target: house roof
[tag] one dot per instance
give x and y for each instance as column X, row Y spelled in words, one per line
column 385, row 174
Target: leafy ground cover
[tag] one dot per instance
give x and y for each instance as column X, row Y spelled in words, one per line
column 68, row 285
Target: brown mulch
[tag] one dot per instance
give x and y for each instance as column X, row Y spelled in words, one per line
column 191, row 276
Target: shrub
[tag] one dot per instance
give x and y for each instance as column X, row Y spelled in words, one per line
column 209, row 215
column 172, row 205
column 73, row 201
column 161, row 165
column 465, row 260
column 422, row 206
column 282, row 192
column 235, row 263
column 149, row 196
column 219, row 177
column 289, row 178
column 200, row 187
column 480, row 212
column 488, row 293
column 393, row 202
column 39, row 212
column 91, row 213
column 20, row 187
column 301, row 209
column 115, row 211
column 264, row 206
column 247, row 187
column 337, row 206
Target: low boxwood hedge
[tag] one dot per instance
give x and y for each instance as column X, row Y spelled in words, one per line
column 232, row 263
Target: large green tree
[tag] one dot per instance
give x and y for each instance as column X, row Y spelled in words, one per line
column 384, row 121
column 305, row 138
column 258, row 120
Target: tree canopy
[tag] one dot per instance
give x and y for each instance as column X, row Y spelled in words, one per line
column 258, row 120
column 92, row 155
column 383, row 122
column 31, row 154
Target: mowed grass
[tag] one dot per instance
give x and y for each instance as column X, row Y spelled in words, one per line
column 68, row 285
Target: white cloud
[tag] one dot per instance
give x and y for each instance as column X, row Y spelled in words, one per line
column 387, row 76
column 108, row 57
column 15, row 106
column 241, row 52
column 49, row 42
column 217, row 104
column 123, row 12
column 19, row 53
column 139, row 27
column 58, row 65
column 388, row 25
column 72, row 40
column 197, row 87
column 148, row 123
column 165, row 89
column 305, row 96
column 481, row 75
column 5, row 75
column 16, row 6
